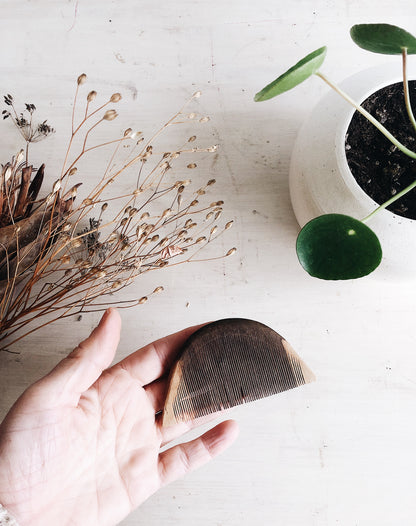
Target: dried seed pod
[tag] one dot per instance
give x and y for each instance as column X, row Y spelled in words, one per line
column 194, row 202
column 57, row 186
column 110, row 115
column 228, row 225
column 213, row 230
column 116, row 284
column 166, row 213
column 75, row 243
column 104, row 207
column 192, row 139
column 209, row 216
column 142, row 300
column 82, row 79
column 91, row 96
column 192, row 116
column 87, row 202
column 212, row 148
column 204, row 119
column 115, row 97
column 158, row 290
column 127, row 210
column 191, row 166
column 155, row 238
column 127, row 132
column 100, row 274
column 211, row 181
column 65, row 259
column 72, row 171
column 123, row 221
column 201, row 239
column 231, row 252
column 132, row 212
column 197, row 94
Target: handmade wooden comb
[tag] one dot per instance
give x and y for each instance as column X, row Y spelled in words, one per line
column 228, row 363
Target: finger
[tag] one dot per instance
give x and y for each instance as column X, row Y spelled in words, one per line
column 169, row 433
column 82, row 367
column 179, row 460
column 154, row 360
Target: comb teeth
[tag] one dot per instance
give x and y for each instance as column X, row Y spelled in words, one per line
column 228, row 363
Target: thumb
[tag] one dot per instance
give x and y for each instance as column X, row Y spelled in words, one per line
column 83, row 366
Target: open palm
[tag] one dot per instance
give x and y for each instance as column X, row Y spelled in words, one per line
column 83, row 445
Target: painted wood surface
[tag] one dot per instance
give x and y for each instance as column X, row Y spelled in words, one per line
column 339, row 451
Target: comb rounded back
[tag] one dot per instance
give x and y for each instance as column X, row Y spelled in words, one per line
column 227, row 363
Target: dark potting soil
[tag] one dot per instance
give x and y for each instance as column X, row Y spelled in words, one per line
column 380, row 168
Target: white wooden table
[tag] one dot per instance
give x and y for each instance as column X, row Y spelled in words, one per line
column 339, row 451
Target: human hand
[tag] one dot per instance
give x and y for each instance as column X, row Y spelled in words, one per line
column 82, row 445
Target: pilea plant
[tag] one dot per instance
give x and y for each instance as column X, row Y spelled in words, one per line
column 336, row 246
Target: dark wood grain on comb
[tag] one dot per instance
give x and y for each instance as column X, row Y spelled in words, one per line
column 228, row 363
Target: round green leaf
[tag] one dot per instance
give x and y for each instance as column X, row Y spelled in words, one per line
column 293, row 76
column 336, row 246
column 383, row 38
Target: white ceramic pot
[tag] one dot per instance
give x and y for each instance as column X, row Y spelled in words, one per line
column 321, row 182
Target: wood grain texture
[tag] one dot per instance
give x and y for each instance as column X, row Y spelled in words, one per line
column 227, row 363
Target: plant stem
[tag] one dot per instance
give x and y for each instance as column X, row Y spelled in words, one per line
column 406, row 89
column 368, row 116
column 390, row 201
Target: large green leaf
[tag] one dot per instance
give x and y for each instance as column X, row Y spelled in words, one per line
column 293, row 76
column 336, row 246
column 383, row 38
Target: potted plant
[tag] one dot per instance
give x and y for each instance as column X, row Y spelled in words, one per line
column 335, row 181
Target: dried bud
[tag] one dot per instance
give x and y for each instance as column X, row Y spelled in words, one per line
column 110, row 115
column 82, row 79
column 209, row 215
column 57, row 186
column 65, row 259
column 87, row 202
column 191, row 166
column 204, row 119
column 231, row 252
column 155, row 238
column 197, row 94
column 201, row 191
column 167, row 213
column 66, row 227
column 123, row 221
column 104, row 207
column 91, row 96
column 200, row 240
column 132, row 212
column 20, row 157
column 229, row 225
column 213, row 230
column 142, row 300
column 76, row 242
column 72, row 171
column 127, row 132
column 192, row 139
column 194, row 202
column 127, row 210
column 216, row 203
column 158, row 289
column 211, row 181
column 115, row 97
column 116, row 285
column 145, row 215
column 192, row 116
column 213, row 148
column 100, row 274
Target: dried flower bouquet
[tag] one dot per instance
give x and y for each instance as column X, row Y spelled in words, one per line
column 62, row 254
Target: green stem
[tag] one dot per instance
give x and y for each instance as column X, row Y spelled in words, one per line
column 390, row 201
column 406, row 89
column 368, row 116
